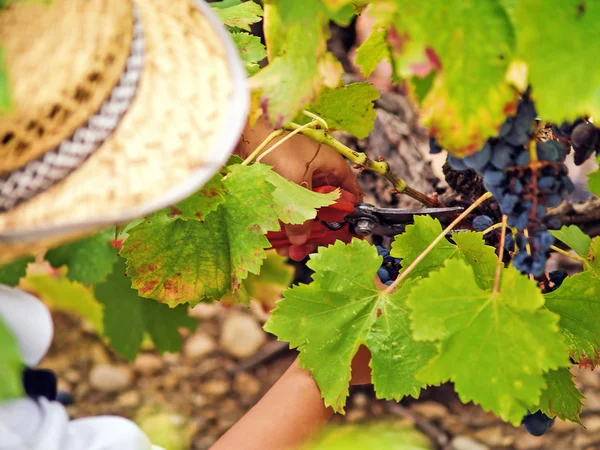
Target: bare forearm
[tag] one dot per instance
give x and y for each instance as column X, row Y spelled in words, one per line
column 285, row 417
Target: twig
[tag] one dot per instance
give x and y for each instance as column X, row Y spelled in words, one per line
column 289, row 136
column 568, row 255
column 262, row 145
column 317, row 118
column 435, row 434
column 441, row 236
column 363, row 160
column 499, row 264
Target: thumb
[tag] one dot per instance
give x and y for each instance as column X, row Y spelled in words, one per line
column 298, row 234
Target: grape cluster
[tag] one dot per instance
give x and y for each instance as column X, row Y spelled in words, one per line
column 584, row 138
column 524, row 189
column 388, row 271
column 537, row 423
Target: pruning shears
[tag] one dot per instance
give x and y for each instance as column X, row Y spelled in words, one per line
column 347, row 218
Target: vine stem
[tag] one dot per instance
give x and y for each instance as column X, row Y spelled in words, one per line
column 431, row 246
column 499, row 264
column 528, row 248
column 361, row 159
column 567, row 254
column 289, row 136
column 262, row 145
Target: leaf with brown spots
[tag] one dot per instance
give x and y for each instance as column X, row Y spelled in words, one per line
column 177, row 260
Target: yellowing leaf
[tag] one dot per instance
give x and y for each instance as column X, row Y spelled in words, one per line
column 474, row 42
column 561, row 397
column 494, row 347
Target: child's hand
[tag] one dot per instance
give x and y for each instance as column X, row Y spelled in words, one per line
column 307, row 163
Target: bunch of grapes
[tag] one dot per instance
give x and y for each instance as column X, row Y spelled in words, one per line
column 388, row 271
column 524, row 188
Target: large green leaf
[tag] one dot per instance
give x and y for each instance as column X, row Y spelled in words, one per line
column 180, row 259
column 349, row 108
column 127, row 317
column 342, row 309
column 494, row 347
column 574, row 238
column 474, row 42
column 469, row 246
column 561, row 397
column 12, row 273
column 577, row 303
column 11, row 365
column 89, row 260
column 568, row 31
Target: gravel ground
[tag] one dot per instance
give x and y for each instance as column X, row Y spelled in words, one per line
column 205, row 389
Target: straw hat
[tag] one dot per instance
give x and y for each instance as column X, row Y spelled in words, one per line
column 120, row 108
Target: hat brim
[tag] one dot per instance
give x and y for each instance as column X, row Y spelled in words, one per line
column 188, row 115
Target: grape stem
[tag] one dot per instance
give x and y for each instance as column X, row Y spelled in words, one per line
column 492, row 228
column 262, row 145
column 431, row 246
column 499, row 264
column 528, row 248
column 567, row 254
column 289, row 136
column 361, row 159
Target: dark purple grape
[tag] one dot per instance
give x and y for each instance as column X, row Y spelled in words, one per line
column 585, row 141
column 508, row 203
column 548, row 184
column 509, row 243
column 389, row 282
column 522, row 262
column 383, row 275
column 557, row 276
column 502, row 155
column 434, row 148
column 522, row 159
column 552, row 222
column 482, row 223
column 553, row 200
column 494, row 177
column 480, row 159
column 64, row 398
column 456, row 163
column 537, row 423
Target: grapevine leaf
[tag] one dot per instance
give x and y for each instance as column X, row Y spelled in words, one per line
column 179, row 261
column 89, row 260
column 275, row 276
column 349, row 108
column 577, row 303
column 251, row 50
column 470, row 247
column 61, row 294
column 561, row 397
column 329, row 319
column 5, row 101
column 573, row 89
column 299, row 63
column 472, row 45
column 127, row 317
column 241, row 15
column 201, row 203
column 225, row 3
column 574, row 238
column 10, row 274
column 372, row 51
column 11, row 365
column 495, row 347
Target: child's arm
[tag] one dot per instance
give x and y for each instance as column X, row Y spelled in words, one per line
column 290, row 413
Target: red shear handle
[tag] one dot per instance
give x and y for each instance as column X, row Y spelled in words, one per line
column 320, row 234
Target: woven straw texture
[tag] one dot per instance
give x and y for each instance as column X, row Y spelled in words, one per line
column 172, row 129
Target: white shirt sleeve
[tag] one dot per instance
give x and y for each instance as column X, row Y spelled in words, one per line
column 43, row 425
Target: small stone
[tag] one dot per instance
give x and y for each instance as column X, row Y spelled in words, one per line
column 148, row 364
column 430, row 410
column 360, row 400
column 355, row 415
column 129, row 399
column 246, row 385
column 107, row 378
column 200, row 400
column 495, row 436
column 241, row 336
column 204, row 310
column 171, row 358
column 467, row 443
column 215, row 387
column 198, row 346
column 377, row 409
column 170, row 381
column 528, row 442
column 72, row 376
